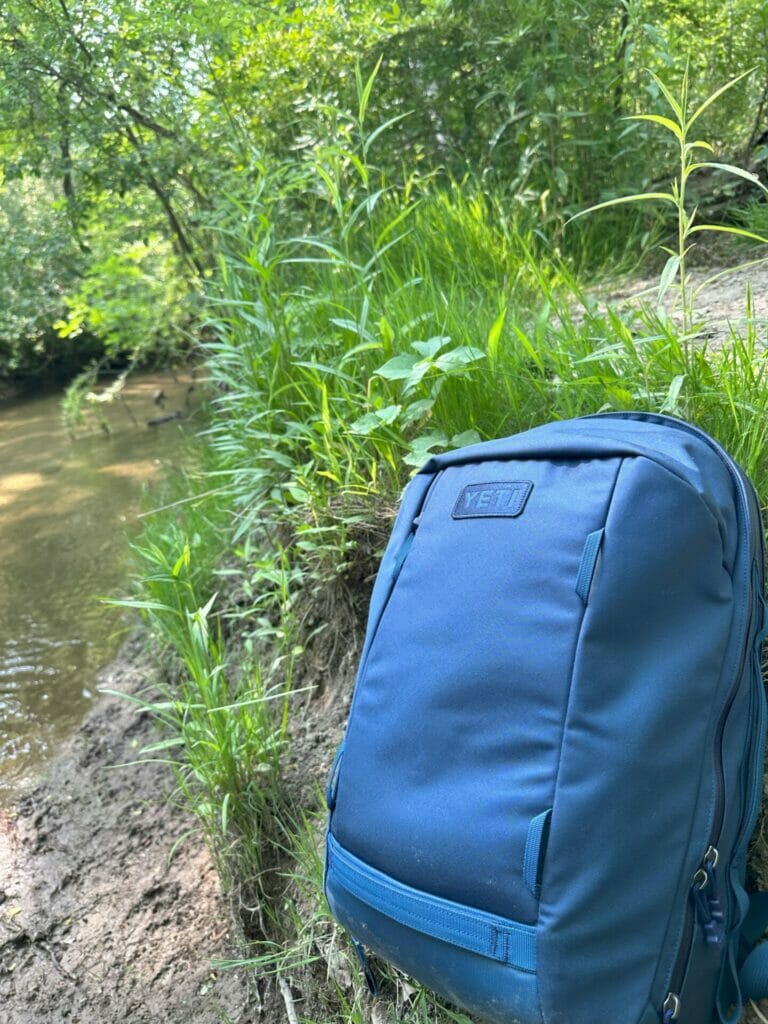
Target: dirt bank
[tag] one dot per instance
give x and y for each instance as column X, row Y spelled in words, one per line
column 721, row 304
column 99, row 924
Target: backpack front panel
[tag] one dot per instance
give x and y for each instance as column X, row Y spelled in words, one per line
column 635, row 792
column 455, row 731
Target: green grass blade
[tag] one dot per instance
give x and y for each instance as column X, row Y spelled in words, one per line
column 676, row 107
column 728, row 229
column 665, row 122
column 716, row 95
column 640, row 197
column 731, row 169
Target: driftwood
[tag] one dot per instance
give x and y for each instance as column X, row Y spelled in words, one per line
column 168, row 418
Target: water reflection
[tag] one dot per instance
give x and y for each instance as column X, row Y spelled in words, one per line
column 64, row 508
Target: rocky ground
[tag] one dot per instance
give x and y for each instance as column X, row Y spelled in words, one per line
column 104, row 916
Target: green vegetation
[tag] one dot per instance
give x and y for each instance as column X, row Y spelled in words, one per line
column 406, row 317
column 367, row 221
column 132, row 131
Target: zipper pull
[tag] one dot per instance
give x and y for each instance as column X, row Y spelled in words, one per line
column 707, row 899
column 671, row 1008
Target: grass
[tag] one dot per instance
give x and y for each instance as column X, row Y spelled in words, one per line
column 359, row 326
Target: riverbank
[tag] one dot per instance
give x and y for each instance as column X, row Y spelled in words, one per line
column 110, row 907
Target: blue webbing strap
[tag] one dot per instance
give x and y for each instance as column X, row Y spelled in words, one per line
column 474, row 930
column 532, row 856
column 588, row 564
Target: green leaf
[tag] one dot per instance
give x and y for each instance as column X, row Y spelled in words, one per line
column 431, row 347
column 464, row 438
column 715, row 95
column 668, row 96
column 225, row 813
column 398, row 368
column 673, row 395
column 370, row 139
column 181, row 562
column 640, row 197
column 364, row 93
column 729, row 270
column 174, row 741
column 729, row 230
column 494, row 335
column 668, row 275
column 373, row 420
column 416, row 410
column 731, row 169
column 421, row 447
column 699, row 144
column 665, row 122
column 352, row 326
column 458, row 358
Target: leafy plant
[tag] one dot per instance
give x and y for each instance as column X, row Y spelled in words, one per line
column 680, row 126
column 356, row 325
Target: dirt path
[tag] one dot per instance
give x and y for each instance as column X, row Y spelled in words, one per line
column 720, row 305
column 97, row 925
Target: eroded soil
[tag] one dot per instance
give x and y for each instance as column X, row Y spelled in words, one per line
column 101, row 919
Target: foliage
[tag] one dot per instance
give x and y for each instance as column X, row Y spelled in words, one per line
column 132, row 295
column 679, row 125
column 397, row 315
column 162, row 112
column 40, row 264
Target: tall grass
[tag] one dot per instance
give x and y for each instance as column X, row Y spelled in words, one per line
column 358, row 327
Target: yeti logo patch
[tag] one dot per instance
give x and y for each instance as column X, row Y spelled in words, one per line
column 506, row 498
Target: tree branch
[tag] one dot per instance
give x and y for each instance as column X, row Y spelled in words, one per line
column 184, row 245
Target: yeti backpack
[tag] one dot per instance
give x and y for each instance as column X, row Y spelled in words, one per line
column 554, row 757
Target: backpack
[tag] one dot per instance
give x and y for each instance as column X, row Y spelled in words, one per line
column 554, row 757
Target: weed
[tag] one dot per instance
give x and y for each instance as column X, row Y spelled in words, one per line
column 360, row 325
column 680, row 125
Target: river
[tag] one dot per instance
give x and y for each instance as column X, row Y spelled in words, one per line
column 67, row 505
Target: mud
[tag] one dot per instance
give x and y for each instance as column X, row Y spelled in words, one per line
column 107, row 913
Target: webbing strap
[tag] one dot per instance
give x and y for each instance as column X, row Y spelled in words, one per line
column 533, row 846
column 473, row 930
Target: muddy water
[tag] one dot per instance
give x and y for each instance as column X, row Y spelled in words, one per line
column 65, row 508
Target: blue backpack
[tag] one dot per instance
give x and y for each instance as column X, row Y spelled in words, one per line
column 554, row 757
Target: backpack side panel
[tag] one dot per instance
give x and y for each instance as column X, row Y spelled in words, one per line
column 633, row 804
